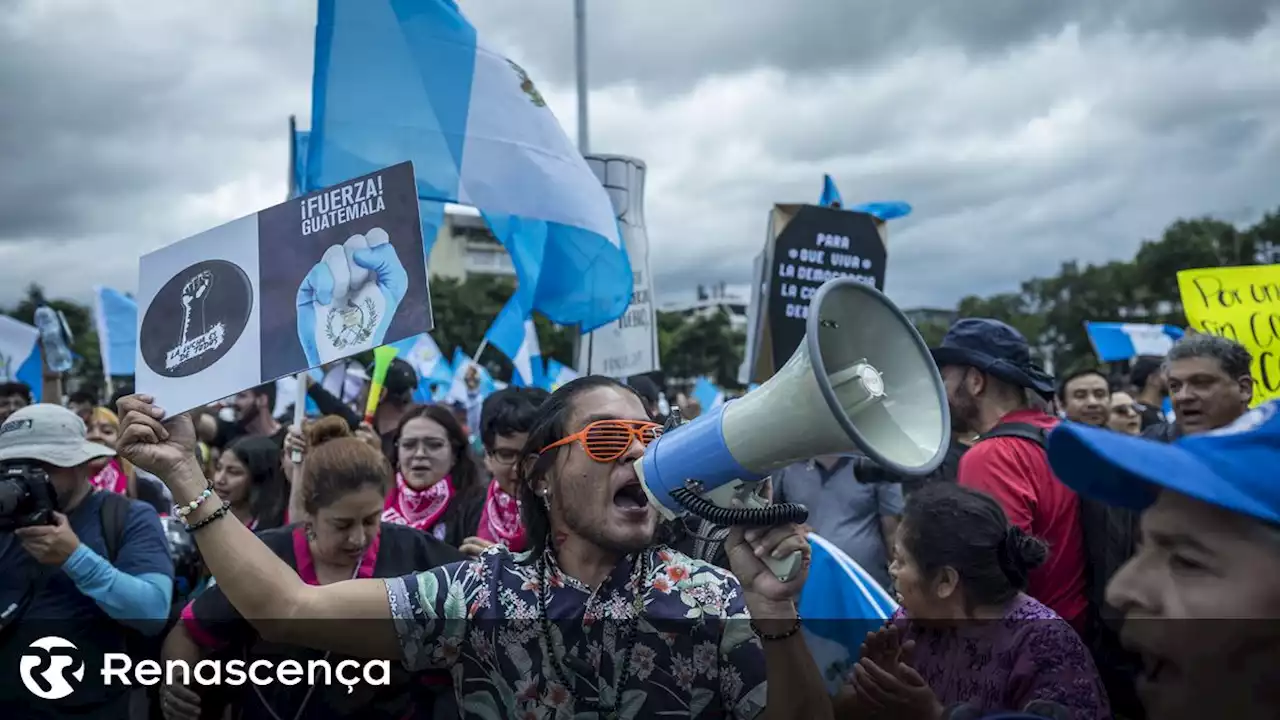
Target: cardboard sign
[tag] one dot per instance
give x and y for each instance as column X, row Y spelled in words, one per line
column 809, row 245
column 629, row 345
column 312, row 280
column 1241, row 303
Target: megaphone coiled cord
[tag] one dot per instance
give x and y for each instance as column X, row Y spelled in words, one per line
column 771, row 516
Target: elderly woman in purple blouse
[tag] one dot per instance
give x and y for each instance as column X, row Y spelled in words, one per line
column 967, row 641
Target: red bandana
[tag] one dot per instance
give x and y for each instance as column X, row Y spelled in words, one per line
column 421, row 509
column 500, row 522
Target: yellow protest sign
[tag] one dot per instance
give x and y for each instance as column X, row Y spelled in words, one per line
column 1241, row 303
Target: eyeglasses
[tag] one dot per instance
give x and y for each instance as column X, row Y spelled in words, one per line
column 503, row 456
column 607, row 440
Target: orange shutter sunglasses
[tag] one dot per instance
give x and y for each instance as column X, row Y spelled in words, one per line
column 607, row 440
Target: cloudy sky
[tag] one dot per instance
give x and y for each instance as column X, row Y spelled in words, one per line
column 1024, row 133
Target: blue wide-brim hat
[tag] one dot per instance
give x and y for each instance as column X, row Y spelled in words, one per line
column 994, row 348
column 1226, row 467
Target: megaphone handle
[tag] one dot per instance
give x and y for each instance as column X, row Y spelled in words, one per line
column 784, row 568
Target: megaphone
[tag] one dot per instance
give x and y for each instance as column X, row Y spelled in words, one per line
column 862, row 380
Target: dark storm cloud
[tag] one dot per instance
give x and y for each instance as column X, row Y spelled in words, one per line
column 1022, row 130
column 666, row 45
column 112, row 113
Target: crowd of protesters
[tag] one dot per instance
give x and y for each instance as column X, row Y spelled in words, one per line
column 1081, row 553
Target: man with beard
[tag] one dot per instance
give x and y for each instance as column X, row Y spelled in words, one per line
column 1209, row 383
column 1200, row 597
column 251, row 415
column 987, row 369
column 1084, row 397
column 594, row 620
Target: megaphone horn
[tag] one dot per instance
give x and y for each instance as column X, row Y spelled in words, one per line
column 861, row 381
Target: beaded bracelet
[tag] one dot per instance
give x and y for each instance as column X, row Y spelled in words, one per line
column 220, row 512
column 778, row 636
column 186, row 509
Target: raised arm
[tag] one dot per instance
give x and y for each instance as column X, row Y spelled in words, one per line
column 266, row 591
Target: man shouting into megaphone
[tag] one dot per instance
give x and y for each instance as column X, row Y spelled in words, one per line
column 594, row 618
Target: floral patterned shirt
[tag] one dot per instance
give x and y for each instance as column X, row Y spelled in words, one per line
column 692, row 654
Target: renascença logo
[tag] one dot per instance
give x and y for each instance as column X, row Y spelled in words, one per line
column 45, row 665
column 48, row 662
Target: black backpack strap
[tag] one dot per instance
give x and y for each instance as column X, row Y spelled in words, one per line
column 115, row 516
column 1026, row 431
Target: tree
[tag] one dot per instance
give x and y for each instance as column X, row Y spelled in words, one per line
column 464, row 311
column 701, row 345
column 87, row 370
column 1051, row 311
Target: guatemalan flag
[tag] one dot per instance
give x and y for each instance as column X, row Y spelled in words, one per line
column 840, row 604
column 1114, row 342
column 115, row 316
column 707, row 394
column 830, row 193
column 527, row 367
column 20, row 358
column 435, row 374
column 400, row 80
column 557, row 375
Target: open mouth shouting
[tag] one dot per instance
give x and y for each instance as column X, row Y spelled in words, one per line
column 631, row 500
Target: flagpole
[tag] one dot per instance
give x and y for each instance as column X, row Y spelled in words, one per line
column 580, row 52
column 584, row 146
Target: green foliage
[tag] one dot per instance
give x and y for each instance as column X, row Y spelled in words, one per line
column 701, row 345
column 87, row 371
column 464, row 310
column 1051, row 311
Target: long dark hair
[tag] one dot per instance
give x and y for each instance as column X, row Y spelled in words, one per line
column 549, row 426
column 267, row 487
column 945, row 525
column 464, row 473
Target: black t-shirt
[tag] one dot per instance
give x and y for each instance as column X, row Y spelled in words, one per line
column 215, row 624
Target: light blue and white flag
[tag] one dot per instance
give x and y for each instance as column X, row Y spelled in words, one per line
column 558, row 375
column 115, row 316
column 1113, row 342
column 830, row 193
column 435, row 374
column 20, row 359
column 462, row 365
column 707, row 394
column 400, row 80
column 840, row 604
column 287, row 393
column 527, row 366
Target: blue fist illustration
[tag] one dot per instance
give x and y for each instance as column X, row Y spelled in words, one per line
column 338, row 292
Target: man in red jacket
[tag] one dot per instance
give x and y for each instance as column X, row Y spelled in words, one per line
column 987, row 368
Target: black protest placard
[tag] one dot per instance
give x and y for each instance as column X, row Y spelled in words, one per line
column 817, row 244
column 312, row 280
column 343, row 271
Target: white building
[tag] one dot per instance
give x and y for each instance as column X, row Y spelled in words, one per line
column 464, row 246
column 710, row 300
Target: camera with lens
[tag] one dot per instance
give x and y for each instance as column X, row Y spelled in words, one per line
column 27, row 498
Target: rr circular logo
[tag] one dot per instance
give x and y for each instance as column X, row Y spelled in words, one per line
column 47, row 663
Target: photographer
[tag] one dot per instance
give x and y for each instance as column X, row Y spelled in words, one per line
column 60, row 572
